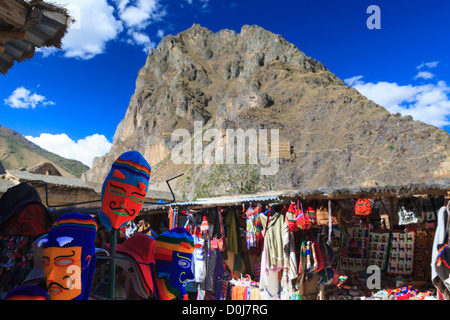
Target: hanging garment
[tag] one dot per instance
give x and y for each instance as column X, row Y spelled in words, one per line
column 199, row 260
column 269, row 285
column 273, row 240
column 218, row 277
column 439, row 274
column 290, row 268
column 250, row 234
column 232, row 238
column 251, row 215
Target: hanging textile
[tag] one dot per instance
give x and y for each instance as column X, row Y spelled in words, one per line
column 269, row 284
column 273, row 240
column 378, row 249
column 290, row 268
column 232, row 238
column 401, row 255
column 354, row 249
column 251, row 233
column 173, row 217
column 439, row 271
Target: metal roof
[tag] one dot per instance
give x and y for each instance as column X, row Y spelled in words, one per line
column 441, row 187
column 75, row 183
column 44, row 24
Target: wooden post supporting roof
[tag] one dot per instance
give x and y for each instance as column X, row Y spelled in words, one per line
column 2, row 49
column 21, row 35
column 13, row 13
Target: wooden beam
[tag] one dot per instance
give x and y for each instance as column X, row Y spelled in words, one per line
column 21, row 35
column 2, row 49
column 13, row 13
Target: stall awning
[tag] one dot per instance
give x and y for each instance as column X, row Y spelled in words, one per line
column 27, row 25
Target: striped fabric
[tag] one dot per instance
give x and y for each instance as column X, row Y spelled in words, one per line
column 164, row 291
column 76, row 222
column 133, row 167
column 179, row 241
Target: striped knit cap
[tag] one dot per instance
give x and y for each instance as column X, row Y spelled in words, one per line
column 133, row 163
column 178, row 240
column 173, row 263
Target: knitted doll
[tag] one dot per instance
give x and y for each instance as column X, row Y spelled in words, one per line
column 68, row 257
column 173, row 259
column 124, row 190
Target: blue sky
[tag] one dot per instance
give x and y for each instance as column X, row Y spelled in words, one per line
column 70, row 101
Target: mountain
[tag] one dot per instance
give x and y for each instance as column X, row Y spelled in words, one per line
column 18, row 152
column 329, row 134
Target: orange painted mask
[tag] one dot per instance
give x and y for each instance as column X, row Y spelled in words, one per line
column 62, row 272
column 68, row 257
column 124, row 190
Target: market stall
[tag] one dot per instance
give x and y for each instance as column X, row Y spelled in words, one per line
column 328, row 244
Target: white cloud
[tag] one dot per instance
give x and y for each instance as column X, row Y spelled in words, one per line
column 99, row 22
column 432, row 64
column 139, row 14
column 83, row 150
column 203, row 3
column 160, row 33
column 95, row 26
column 141, row 39
column 424, row 75
column 22, row 98
column 429, row 103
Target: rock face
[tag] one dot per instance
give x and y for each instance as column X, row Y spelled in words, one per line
column 329, row 134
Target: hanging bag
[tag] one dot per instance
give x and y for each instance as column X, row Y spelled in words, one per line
column 291, row 217
column 407, row 213
column 323, row 215
column 363, row 207
column 311, row 214
column 219, row 243
column 302, row 220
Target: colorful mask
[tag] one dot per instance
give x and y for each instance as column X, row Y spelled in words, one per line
column 68, row 257
column 124, row 190
column 173, row 263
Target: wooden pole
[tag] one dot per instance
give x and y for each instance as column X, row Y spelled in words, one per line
column 321, row 292
column 112, row 264
column 21, row 35
column 13, row 13
column 2, row 49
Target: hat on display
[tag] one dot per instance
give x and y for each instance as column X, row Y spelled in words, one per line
column 173, row 263
column 22, row 211
column 136, row 255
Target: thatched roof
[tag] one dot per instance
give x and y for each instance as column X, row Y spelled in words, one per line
column 45, row 168
column 27, row 25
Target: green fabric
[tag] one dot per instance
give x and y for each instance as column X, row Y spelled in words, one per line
column 232, row 238
column 274, row 240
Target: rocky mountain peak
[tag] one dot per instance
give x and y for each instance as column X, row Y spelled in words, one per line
column 329, row 134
